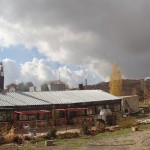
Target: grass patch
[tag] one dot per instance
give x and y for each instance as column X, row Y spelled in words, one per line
column 27, row 148
column 144, row 127
column 142, row 116
column 74, row 143
column 41, row 140
column 117, row 133
column 60, row 141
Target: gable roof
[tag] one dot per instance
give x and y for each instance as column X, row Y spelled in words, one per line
column 53, row 98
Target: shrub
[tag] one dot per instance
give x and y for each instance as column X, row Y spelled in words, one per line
column 27, row 138
column 127, row 122
column 18, row 139
column 52, row 133
column 85, row 127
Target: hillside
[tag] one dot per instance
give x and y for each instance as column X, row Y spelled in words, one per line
column 130, row 86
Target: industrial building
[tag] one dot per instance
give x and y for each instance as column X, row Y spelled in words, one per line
column 35, row 107
column 71, row 107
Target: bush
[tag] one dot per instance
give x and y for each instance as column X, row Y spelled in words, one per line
column 27, row 138
column 52, row 133
column 18, row 139
column 85, row 127
column 127, row 122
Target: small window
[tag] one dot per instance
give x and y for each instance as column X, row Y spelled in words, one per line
column 126, row 111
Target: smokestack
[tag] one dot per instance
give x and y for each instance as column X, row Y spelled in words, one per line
column 1, row 77
column 85, row 84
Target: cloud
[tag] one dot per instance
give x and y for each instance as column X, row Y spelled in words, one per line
column 11, row 71
column 38, row 71
column 90, row 33
column 75, row 77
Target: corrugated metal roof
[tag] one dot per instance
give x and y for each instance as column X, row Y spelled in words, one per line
column 19, row 99
column 75, row 96
column 51, row 97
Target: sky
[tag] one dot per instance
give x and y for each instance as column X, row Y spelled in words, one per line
column 42, row 39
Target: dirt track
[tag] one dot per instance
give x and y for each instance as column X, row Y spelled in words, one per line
column 139, row 140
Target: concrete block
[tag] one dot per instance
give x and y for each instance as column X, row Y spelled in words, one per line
column 134, row 128
column 48, row 142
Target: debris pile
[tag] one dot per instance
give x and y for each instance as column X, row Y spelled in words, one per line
column 10, row 136
column 7, row 134
column 144, row 121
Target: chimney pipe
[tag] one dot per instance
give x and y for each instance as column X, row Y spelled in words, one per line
column 85, row 84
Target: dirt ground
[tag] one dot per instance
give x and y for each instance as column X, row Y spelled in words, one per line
column 139, row 140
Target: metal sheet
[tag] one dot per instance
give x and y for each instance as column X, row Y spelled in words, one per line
column 57, row 97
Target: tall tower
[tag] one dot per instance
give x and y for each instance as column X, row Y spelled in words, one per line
column 1, row 77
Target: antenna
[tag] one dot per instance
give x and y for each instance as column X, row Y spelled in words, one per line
column 59, row 77
column 58, row 72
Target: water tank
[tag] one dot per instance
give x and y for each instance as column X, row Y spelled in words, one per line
column 104, row 113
